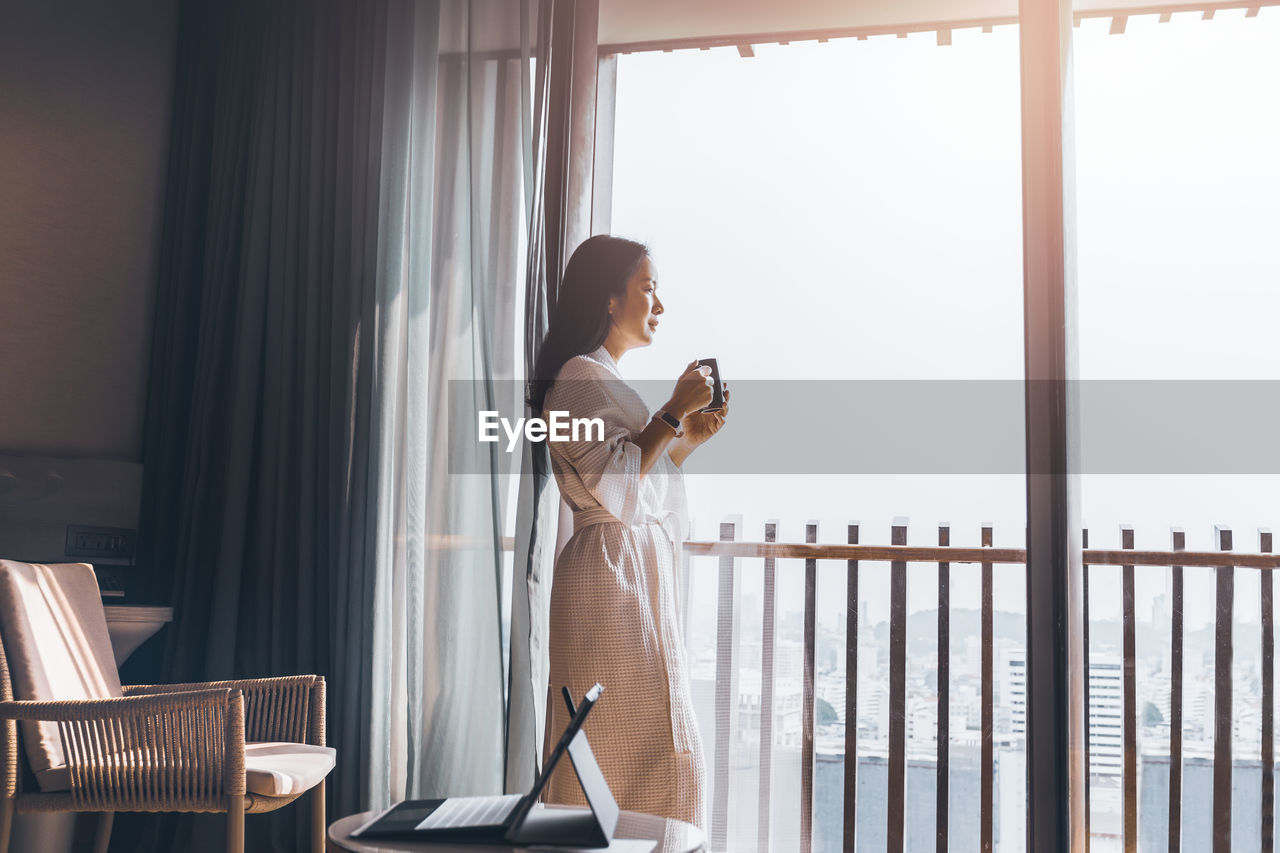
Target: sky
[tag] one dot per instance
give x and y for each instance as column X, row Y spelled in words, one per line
column 852, row 210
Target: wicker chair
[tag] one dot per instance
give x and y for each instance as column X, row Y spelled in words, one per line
column 234, row 747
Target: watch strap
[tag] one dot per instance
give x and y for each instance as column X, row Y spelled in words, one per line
column 668, row 419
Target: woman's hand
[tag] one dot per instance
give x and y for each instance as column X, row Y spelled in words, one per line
column 697, row 427
column 693, row 391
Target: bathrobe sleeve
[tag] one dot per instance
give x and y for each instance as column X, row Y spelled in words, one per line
column 610, row 468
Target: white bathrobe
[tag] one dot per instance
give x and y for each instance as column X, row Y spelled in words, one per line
column 613, row 603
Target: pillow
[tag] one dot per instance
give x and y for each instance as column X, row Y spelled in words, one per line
column 56, row 642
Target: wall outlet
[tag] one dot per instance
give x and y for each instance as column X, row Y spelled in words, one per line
column 110, row 542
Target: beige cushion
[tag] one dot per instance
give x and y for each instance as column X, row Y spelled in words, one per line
column 55, row 638
column 270, row 769
column 281, row 769
column 54, row 779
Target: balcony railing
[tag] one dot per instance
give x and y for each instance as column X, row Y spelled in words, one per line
column 729, row 550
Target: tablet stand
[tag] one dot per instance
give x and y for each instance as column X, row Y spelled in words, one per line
column 573, row 827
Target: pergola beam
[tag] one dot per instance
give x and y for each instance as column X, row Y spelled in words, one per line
column 736, row 29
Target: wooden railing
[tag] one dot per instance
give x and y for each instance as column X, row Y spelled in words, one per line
column 729, row 549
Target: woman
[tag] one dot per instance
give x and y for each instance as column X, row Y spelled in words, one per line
column 613, row 606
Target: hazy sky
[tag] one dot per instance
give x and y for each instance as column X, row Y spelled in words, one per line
column 852, row 210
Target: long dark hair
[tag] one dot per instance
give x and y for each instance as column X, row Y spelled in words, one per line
column 598, row 269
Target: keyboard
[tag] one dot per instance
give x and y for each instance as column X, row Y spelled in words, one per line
column 463, row 812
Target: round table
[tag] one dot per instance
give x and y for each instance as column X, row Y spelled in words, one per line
column 673, row 836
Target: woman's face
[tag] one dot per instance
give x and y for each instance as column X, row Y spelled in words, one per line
column 635, row 315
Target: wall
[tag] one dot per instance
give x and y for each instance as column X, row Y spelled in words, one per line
column 85, row 90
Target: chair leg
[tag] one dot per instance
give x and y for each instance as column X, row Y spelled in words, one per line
column 6, row 822
column 317, row 818
column 102, row 835
column 235, row 824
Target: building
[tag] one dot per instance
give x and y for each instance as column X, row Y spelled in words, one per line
column 1106, row 715
column 1013, row 688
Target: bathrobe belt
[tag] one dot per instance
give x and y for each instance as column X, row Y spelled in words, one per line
column 584, row 518
column 592, row 515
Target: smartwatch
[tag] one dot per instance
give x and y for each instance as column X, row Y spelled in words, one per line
column 668, row 419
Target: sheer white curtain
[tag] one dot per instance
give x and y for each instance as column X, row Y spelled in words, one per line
column 451, row 293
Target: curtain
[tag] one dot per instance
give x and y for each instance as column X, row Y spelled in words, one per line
column 560, row 216
column 450, row 311
column 256, row 449
column 343, row 234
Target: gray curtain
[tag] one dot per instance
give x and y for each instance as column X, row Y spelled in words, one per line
column 344, row 233
column 256, row 446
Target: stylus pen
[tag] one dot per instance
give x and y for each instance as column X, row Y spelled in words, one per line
column 592, row 695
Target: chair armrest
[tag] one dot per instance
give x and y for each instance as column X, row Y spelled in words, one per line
column 180, row 751
column 287, row 708
column 84, row 710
